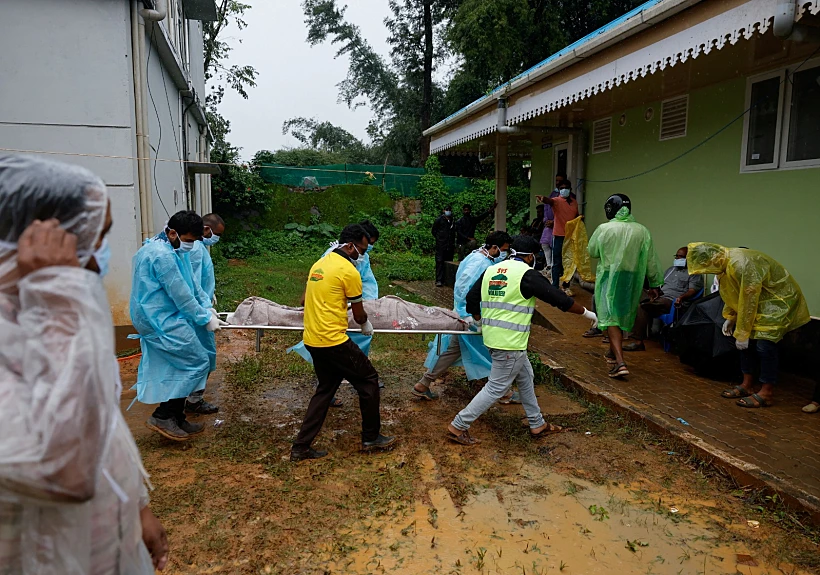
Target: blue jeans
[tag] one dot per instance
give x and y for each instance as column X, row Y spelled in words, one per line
column 557, row 260
column 508, row 367
column 769, row 360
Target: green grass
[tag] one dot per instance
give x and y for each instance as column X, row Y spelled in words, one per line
column 282, row 279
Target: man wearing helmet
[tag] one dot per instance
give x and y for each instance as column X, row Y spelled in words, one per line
column 626, row 257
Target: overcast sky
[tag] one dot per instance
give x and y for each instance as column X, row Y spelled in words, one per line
column 295, row 79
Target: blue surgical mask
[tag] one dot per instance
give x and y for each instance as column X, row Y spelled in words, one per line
column 211, row 240
column 185, row 247
column 563, row 193
column 448, row 213
column 370, row 247
column 103, row 257
column 681, row 263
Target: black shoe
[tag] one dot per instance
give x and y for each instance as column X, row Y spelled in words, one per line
column 167, row 428
column 381, row 442
column 439, row 284
column 191, row 428
column 201, row 408
column 309, row 453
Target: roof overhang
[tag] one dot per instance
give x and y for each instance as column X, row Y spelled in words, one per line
column 204, row 10
column 600, row 66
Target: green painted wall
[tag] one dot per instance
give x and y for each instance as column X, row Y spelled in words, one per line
column 703, row 196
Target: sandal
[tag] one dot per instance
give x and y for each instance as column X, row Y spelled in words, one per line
column 610, row 357
column 619, row 370
column 592, row 332
column 747, row 402
column 605, row 339
column 429, row 395
column 464, row 438
column 735, row 392
column 548, row 430
column 811, row 408
column 634, row 346
column 336, row 402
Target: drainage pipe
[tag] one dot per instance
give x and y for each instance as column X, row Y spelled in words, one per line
column 786, row 28
column 159, row 12
column 141, row 124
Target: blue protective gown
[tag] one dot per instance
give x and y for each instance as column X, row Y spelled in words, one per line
column 168, row 309
column 370, row 291
column 475, row 357
column 203, row 272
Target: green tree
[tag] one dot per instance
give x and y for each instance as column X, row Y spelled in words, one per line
column 217, row 49
column 401, row 92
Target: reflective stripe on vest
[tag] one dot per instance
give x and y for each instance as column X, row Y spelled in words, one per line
column 506, row 314
column 507, row 306
column 504, row 324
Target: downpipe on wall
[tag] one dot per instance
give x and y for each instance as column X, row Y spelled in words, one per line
column 141, row 122
column 786, row 28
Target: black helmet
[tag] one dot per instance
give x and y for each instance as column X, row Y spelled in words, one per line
column 614, row 203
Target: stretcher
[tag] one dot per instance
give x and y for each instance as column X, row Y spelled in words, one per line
column 260, row 329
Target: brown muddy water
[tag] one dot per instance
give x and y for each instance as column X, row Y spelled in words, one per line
column 537, row 523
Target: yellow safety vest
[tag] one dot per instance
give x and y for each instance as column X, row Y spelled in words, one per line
column 506, row 315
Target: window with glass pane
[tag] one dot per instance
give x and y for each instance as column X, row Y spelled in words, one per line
column 760, row 146
column 804, row 119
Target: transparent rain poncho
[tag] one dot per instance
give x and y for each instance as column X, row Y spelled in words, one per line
column 626, row 256
column 71, row 480
column 760, row 295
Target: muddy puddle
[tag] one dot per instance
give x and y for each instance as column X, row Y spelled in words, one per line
column 534, row 523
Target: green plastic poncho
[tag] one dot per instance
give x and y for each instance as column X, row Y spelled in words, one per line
column 760, row 295
column 575, row 252
column 627, row 255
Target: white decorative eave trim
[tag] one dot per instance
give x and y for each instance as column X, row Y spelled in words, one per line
column 811, row 6
column 729, row 27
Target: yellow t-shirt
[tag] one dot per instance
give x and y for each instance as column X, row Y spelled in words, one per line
column 333, row 281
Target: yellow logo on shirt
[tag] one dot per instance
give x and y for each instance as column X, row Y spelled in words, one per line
column 317, row 276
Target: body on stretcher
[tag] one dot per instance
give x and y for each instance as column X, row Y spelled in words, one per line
column 260, row 329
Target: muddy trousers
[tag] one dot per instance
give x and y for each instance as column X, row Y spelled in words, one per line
column 332, row 364
column 508, row 367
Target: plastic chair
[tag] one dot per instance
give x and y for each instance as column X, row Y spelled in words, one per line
column 668, row 319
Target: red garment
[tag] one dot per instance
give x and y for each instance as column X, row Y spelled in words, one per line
column 564, row 212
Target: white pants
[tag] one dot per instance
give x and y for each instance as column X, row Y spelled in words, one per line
column 547, row 253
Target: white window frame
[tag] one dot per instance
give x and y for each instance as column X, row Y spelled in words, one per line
column 787, row 113
column 783, row 120
column 685, row 122
column 592, row 136
column 778, row 128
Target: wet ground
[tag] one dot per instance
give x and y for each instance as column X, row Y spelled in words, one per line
column 606, row 496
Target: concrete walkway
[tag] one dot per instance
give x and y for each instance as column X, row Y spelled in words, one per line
column 776, row 448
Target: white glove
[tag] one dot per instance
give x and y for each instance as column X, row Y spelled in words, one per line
column 469, row 321
column 742, row 344
column 476, row 327
column 728, row 327
column 367, row 328
column 591, row 317
column 213, row 301
column 214, row 324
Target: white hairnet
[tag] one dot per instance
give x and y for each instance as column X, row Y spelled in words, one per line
column 36, row 189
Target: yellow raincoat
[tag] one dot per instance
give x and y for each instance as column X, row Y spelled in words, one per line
column 575, row 254
column 760, row 295
column 627, row 255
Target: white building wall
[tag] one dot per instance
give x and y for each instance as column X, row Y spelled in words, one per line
column 66, row 85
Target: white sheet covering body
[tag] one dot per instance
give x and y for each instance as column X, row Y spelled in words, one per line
column 389, row 312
